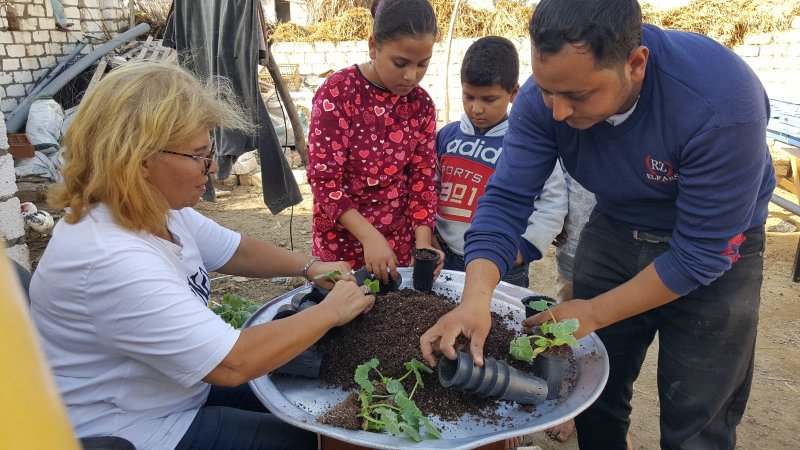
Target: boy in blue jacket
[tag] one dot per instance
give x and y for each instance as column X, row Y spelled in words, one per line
column 668, row 130
column 468, row 151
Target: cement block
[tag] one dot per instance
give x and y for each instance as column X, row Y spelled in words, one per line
column 23, row 37
column 15, row 50
column 23, row 76
column 29, row 63
column 41, row 36
column 8, row 186
column 15, row 90
column 20, row 254
column 11, row 224
column 35, row 50
column 8, row 104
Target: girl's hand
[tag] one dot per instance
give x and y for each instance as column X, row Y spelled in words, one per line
column 322, row 267
column 347, row 300
column 379, row 258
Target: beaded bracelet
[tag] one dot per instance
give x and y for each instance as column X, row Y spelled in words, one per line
column 308, row 266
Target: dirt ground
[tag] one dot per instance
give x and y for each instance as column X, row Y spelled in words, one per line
column 772, row 419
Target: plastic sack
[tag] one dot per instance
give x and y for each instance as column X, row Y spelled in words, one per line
column 44, row 121
column 38, row 166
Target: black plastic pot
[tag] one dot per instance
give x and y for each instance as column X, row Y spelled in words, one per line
column 384, row 288
column 425, row 261
column 305, row 364
column 496, row 380
column 529, row 311
column 285, row 311
column 553, row 369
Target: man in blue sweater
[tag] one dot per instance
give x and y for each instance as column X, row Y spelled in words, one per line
column 667, row 129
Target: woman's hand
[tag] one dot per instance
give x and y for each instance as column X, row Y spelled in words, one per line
column 347, row 300
column 322, row 267
column 379, row 258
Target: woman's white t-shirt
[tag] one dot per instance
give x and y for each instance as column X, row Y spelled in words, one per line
column 124, row 321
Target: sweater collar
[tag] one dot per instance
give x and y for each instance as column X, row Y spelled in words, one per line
column 468, row 128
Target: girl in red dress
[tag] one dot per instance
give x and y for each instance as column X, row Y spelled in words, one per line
column 371, row 147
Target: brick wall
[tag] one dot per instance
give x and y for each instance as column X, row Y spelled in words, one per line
column 25, row 55
column 775, row 57
column 318, row 58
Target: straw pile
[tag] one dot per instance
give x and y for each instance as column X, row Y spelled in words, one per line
column 355, row 24
column 727, row 21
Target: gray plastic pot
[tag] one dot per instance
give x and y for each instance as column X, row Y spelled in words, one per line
column 496, row 380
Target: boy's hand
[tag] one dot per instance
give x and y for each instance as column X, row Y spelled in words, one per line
column 379, row 258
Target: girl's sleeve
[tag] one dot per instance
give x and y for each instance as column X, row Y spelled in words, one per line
column 328, row 151
column 422, row 191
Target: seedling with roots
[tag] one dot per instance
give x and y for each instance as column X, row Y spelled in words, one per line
column 385, row 405
column 554, row 334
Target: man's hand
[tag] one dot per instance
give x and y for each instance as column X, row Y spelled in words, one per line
column 582, row 310
column 471, row 320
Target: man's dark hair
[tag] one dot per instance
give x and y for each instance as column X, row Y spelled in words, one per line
column 396, row 19
column 610, row 28
column 489, row 61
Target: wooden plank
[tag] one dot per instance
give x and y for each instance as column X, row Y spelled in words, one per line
column 787, row 185
column 98, row 73
column 145, row 48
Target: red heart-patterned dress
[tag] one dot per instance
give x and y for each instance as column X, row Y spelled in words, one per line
column 374, row 151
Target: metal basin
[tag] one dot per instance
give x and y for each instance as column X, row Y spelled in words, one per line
column 298, row 401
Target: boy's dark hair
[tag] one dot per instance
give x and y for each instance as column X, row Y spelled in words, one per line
column 489, row 61
column 396, row 19
column 610, row 28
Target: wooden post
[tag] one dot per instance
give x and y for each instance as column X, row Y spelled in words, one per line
column 447, row 64
column 283, row 92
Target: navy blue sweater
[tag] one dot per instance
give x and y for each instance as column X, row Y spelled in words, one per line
column 691, row 161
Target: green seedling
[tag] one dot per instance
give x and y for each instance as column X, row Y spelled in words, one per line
column 554, row 334
column 235, row 309
column 386, row 405
column 373, row 285
column 329, row 275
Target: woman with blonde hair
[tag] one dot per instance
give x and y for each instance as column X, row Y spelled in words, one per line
column 120, row 295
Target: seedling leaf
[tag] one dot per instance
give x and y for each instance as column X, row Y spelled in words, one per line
column 329, row 275
column 539, row 305
column 389, row 419
column 373, row 285
column 395, row 387
column 521, row 349
column 430, row 428
column 362, row 375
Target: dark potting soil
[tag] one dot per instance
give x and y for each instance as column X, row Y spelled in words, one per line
column 391, row 332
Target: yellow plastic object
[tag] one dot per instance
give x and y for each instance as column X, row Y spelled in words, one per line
column 32, row 415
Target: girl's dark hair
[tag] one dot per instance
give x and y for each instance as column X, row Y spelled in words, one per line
column 611, row 29
column 489, row 61
column 396, row 19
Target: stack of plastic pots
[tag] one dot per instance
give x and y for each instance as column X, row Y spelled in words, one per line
column 496, row 380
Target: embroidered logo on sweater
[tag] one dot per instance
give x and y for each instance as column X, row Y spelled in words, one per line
column 660, row 171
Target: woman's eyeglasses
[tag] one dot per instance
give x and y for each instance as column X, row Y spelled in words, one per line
column 207, row 161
